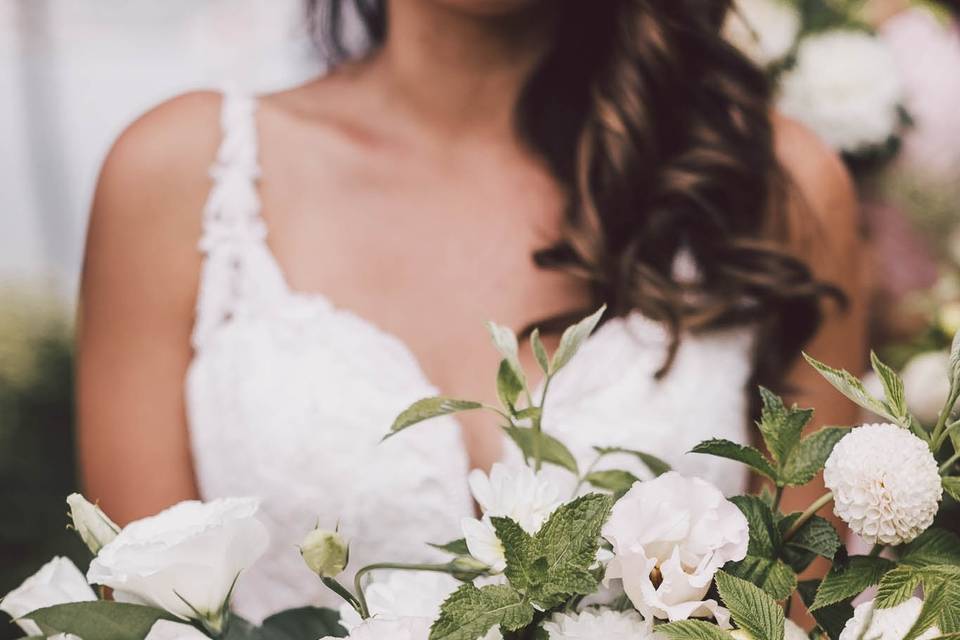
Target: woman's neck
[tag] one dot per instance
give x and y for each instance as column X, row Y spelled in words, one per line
column 460, row 72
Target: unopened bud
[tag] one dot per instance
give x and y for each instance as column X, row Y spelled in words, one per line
column 467, row 568
column 93, row 525
column 325, row 552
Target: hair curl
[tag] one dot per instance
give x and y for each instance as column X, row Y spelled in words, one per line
column 660, row 131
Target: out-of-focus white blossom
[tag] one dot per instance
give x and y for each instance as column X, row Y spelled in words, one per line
column 604, row 624
column 764, row 30
column 383, row 629
column 927, row 385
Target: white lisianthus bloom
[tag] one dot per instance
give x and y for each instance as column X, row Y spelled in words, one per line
column 399, row 629
column 510, row 492
column 57, row 582
column 396, row 595
column 885, row 624
column 184, row 560
column 885, row 483
column 926, row 384
column 167, row 630
column 670, row 535
column 844, row 87
column 603, row 624
column 764, row 30
column 93, row 525
column 791, row 631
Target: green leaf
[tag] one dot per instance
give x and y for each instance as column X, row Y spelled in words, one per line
column 616, row 481
column 764, row 534
column 850, row 386
column 897, row 586
column 539, row 351
column 454, row 547
column 892, row 388
column 573, row 338
column 305, row 622
column 817, row 537
column 517, row 548
column 693, row 630
column 509, row 386
column 849, row 580
column 955, row 358
column 773, row 576
column 430, row 408
column 469, row 613
column 933, row 547
column 952, row 487
column 936, row 603
column 781, row 427
column 832, row 619
column 551, row 449
column 100, row 619
column 733, row 451
column 751, row 608
column 656, row 466
column 505, row 340
column 811, row 454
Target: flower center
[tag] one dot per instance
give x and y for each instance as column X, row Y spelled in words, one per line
column 656, row 577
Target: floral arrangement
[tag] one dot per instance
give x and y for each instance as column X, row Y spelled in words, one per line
column 666, row 558
column 831, row 70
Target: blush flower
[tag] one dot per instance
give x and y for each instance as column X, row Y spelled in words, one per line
column 670, row 535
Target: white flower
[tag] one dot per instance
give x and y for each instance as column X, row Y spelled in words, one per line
column 791, row 631
column 925, row 381
column 885, row 624
column 845, row 87
column 603, row 624
column 383, row 629
column 669, row 537
column 511, row 492
column 764, row 30
column 57, row 582
column 93, row 525
column 166, row 630
column 885, row 483
column 406, row 594
column 184, row 560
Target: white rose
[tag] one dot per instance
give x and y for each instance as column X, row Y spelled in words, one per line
column 845, row 87
column 885, row 624
column 57, row 582
column 926, row 384
column 604, row 624
column 184, row 560
column 166, row 630
column 400, row 629
column 511, row 492
column 885, row 483
column 93, row 525
column 670, row 535
column 764, row 30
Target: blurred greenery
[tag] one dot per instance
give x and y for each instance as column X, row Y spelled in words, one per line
column 37, row 464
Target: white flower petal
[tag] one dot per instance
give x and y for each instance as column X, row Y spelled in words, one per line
column 57, row 582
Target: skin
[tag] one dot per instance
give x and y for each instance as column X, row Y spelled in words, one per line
column 418, row 140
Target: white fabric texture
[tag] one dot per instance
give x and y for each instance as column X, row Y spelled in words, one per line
column 288, row 398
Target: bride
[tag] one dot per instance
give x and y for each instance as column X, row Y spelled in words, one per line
column 270, row 280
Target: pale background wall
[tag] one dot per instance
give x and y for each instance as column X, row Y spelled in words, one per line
column 74, row 73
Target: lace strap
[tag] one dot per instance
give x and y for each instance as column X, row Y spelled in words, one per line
column 232, row 224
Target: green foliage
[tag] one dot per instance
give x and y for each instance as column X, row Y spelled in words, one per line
column 893, row 390
column 952, row 487
column 616, row 481
column 539, row 351
column 469, row 613
column 751, row 608
column 762, row 565
column 831, row 619
column 551, row 450
column 430, row 408
column 99, row 619
column 941, row 586
column 573, row 338
column 505, row 341
column 741, row 453
column 693, row 630
column 655, row 465
column 773, row 576
column 848, row 580
column 817, row 537
column 781, row 427
column 509, row 386
column 292, row 624
column 934, row 546
column 806, row 461
column 454, row 547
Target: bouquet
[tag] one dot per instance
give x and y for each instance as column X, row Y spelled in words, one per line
column 668, row 558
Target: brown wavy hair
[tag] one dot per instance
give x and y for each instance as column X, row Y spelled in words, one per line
column 660, row 132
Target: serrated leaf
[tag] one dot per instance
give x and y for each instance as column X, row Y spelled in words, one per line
column 751, row 608
column 817, row 537
column 764, row 534
column 573, row 338
column 551, row 449
column 509, row 386
column 832, row 619
column 773, row 576
column 936, row 602
column 655, row 465
column 892, row 387
column 469, row 613
column 851, row 386
column 811, row 454
column 933, row 547
column 430, row 408
column 952, row 487
column 100, row 619
column 849, row 580
column 781, row 427
column 616, row 481
column 539, row 351
column 517, row 549
column 897, row 586
column 693, row 630
column 454, row 547
column 738, row 452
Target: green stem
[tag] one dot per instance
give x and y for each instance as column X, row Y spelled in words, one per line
column 343, row 592
column 944, row 435
column 938, row 430
column 583, row 478
column 497, row 411
column 777, row 498
column 877, row 550
column 811, row 511
column 399, row 566
column 538, row 428
column 946, row 466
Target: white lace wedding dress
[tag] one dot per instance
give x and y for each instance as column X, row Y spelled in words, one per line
column 288, row 398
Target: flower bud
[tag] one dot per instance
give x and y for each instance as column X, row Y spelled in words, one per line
column 467, row 568
column 93, row 525
column 325, row 552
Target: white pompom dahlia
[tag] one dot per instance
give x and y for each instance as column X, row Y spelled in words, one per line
column 764, row 30
column 885, row 624
column 885, row 483
column 599, row 625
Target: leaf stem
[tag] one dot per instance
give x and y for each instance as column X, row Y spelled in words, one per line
column 946, row 466
column 344, row 593
column 583, row 478
column 538, row 426
column 938, row 431
column 877, row 550
column 778, row 496
column 944, row 435
column 811, row 511
column 399, row 566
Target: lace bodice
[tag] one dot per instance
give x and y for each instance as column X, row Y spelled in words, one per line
column 288, row 398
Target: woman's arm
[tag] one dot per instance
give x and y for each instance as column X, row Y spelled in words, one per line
column 136, row 310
